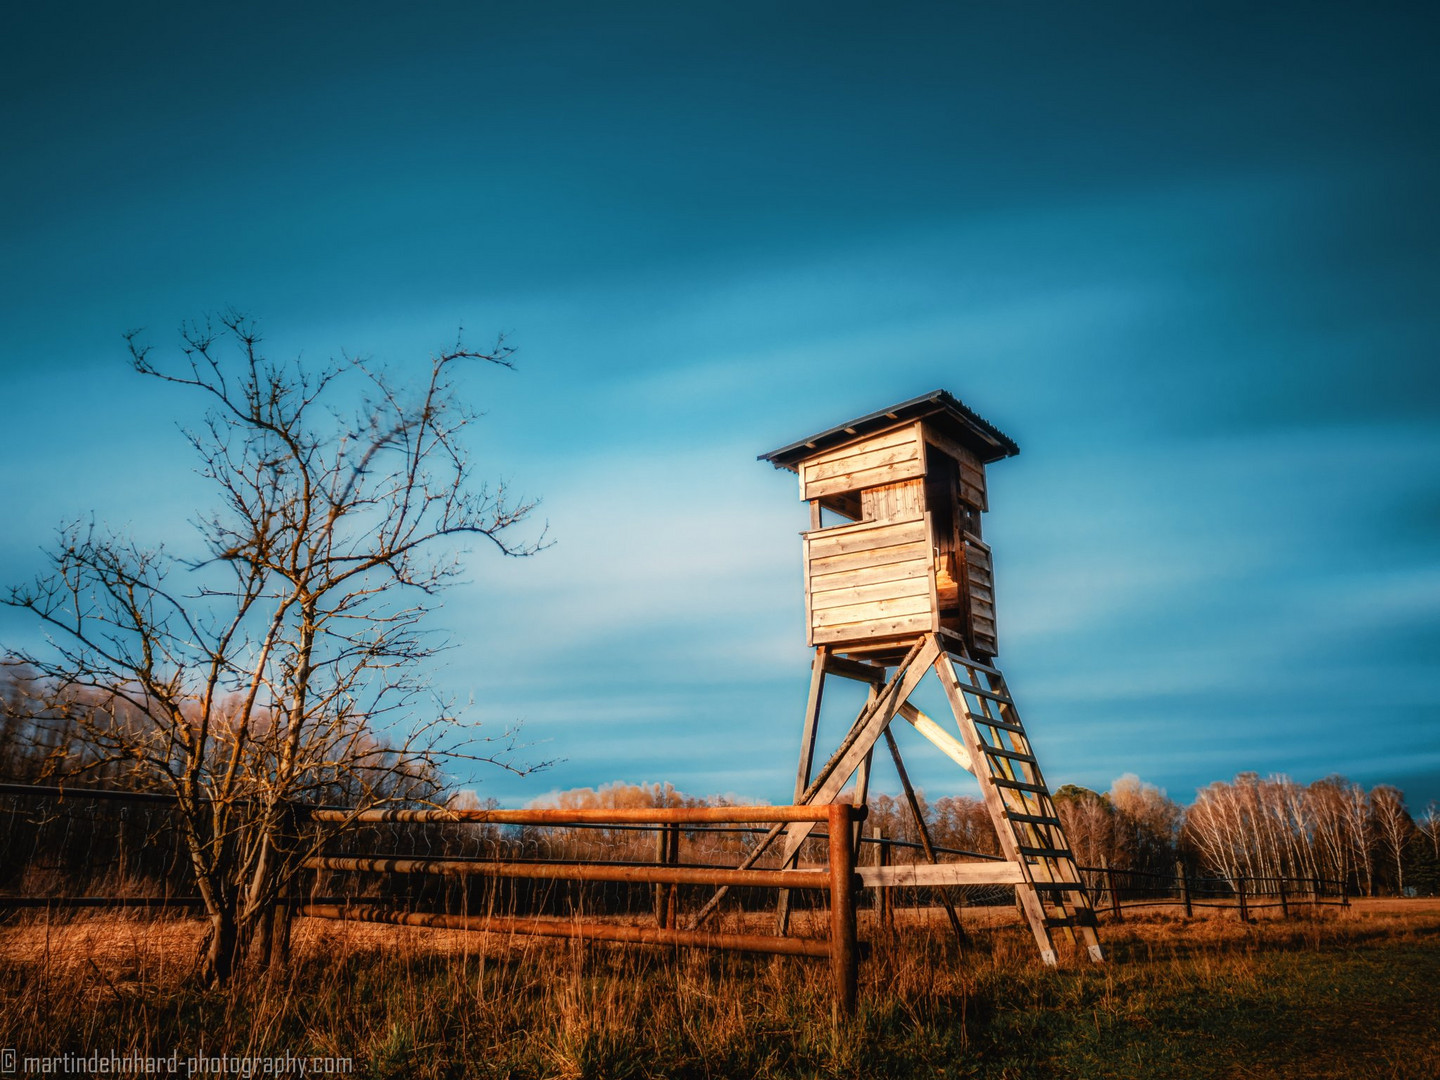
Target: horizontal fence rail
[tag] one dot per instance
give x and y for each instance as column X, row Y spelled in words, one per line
column 576, row 873
column 1114, row 889
column 658, row 815
column 839, row 879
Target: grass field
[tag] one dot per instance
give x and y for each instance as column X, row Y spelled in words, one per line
column 1347, row 994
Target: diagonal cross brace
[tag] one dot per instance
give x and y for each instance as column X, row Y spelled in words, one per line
column 840, row 768
column 836, row 772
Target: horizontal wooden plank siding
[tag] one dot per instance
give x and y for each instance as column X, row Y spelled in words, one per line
column 848, row 596
column 872, row 610
column 887, row 458
column 863, row 536
column 912, row 566
column 856, row 560
column 866, row 580
column 887, row 628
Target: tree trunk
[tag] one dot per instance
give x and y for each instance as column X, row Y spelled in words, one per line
column 220, row 948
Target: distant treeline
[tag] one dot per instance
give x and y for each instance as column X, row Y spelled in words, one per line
column 1332, row 829
column 1251, row 826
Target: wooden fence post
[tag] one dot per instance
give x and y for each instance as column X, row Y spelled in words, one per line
column 1284, row 902
column 1114, row 896
column 884, row 904
column 1240, row 893
column 1184, row 887
column 662, row 898
column 672, row 915
column 843, row 946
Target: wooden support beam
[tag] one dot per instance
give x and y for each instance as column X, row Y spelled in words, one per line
column 812, row 719
column 845, row 760
column 946, row 743
column 862, row 738
column 854, row 669
column 997, row 872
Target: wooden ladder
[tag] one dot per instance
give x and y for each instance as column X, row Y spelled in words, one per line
column 1052, row 896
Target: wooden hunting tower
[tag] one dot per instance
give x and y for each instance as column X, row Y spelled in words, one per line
column 909, row 557
column 901, row 585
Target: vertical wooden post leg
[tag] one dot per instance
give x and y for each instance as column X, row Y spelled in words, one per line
column 1114, row 895
column 884, row 904
column 1284, row 900
column 673, row 917
column 662, row 850
column 1240, row 893
column 1184, row 888
column 807, row 762
column 844, row 948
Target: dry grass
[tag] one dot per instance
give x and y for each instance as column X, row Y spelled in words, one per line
column 1345, row 994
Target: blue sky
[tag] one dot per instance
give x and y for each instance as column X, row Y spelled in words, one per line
column 1185, row 255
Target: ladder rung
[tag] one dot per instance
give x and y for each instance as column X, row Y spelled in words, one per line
column 990, row 721
column 1013, row 755
column 975, row 664
column 1019, row 785
column 1032, row 819
column 1044, row 852
column 1059, row 886
column 980, row 691
column 1080, row 918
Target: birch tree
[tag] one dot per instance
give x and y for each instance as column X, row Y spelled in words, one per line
column 1393, row 828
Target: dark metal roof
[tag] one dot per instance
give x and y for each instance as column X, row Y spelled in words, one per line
column 947, row 413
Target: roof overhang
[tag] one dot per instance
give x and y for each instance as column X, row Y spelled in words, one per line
column 945, row 413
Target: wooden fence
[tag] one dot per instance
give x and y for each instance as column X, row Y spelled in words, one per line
column 86, row 848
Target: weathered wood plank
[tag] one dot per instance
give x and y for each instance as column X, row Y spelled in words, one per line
column 871, row 575
column 864, row 461
column 851, row 669
column 857, row 560
column 885, row 590
column 855, row 481
column 871, row 611
column 976, row 873
column 946, row 743
column 863, row 536
column 896, row 436
column 909, row 624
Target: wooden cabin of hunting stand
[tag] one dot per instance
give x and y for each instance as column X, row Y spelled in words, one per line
column 895, row 547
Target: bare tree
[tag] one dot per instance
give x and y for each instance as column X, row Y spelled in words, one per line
column 1147, row 823
column 1393, row 827
column 1429, row 826
column 285, row 662
column 1327, row 805
column 1089, row 822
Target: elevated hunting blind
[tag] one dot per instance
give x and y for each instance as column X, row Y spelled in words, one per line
column 901, row 585
column 908, row 556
